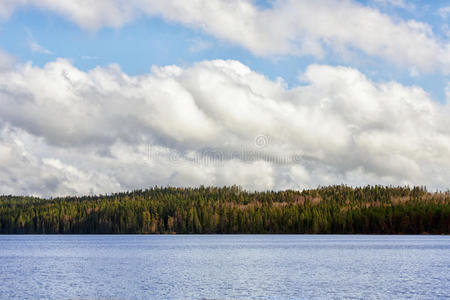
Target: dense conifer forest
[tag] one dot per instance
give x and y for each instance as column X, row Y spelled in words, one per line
column 334, row 209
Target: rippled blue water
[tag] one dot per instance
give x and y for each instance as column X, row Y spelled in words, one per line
column 224, row 266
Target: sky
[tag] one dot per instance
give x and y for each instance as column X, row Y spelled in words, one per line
column 110, row 95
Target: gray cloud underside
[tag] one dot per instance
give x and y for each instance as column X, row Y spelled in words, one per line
column 289, row 27
column 66, row 131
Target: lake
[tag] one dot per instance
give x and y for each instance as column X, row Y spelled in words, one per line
column 224, row 266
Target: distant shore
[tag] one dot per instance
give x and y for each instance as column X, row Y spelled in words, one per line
column 231, row 210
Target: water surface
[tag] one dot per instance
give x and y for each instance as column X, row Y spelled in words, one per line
column 224, row 266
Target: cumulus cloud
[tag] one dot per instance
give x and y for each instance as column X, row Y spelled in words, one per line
column 295, row 27
column 66, row 131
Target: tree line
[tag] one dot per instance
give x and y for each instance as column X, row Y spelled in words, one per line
column 331, row 210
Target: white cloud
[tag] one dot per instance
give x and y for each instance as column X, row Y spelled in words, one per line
column 36, row 48
column 396, row 3
column 445, row 29
column 34, row 45
column 447, row 92
column 65, row 131
column 25, row 171
column 87, row 57
column 7, row 7
column 444, row 12
column 6, row 60
column 296, row 27
column 87, row 14
column 413, row 72
column 199, row 45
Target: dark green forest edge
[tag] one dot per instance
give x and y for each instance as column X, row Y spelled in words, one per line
column 335, row 209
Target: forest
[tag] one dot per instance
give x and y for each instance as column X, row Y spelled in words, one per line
column 209, row 210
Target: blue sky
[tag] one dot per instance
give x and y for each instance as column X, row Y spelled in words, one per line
column 111, row 95
column 148, row 41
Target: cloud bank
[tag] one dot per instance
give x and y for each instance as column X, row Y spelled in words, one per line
column 66, row 131
column 289, row 27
